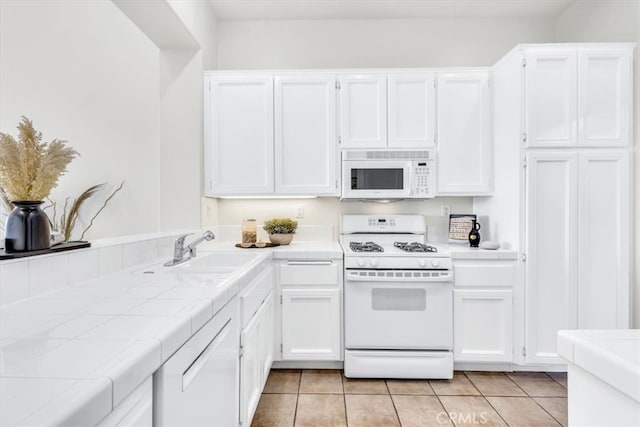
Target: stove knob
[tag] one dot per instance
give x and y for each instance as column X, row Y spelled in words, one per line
column 435, row 263
column 422, row 262
column 361, row 262
column 374, row 262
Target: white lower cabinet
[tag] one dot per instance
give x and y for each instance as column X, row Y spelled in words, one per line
column 311, row 316
column 136, row 410
column 483, row 310
column 482, row 325
column 256, row 356
column 311, row 324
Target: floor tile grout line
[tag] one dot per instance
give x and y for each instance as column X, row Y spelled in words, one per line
column 393, row 403
column 554, row 379
column 545, row 410
column 485, row 398
column 295, row 412
column 498, row 412
column 516, row 384
column 445, row 409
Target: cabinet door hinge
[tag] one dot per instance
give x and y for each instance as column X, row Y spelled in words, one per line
column 241, row 352
column 524, row 162
column 524, row 137
column 336, row 183
column 281, row 348
column 280, row 299
column 524, row 352
column 524, row 257
column 337, row 85
column 339, row 139
column 524, row 62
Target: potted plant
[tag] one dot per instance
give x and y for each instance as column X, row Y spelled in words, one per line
column 29, row 169
column 280, row 230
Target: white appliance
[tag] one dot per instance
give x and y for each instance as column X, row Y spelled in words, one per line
column 388, row 174
column 198, row 385
column 398, row 299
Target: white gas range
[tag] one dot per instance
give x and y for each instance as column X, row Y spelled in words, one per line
column 398, row 299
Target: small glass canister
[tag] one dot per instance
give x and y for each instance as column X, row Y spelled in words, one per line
column 249, row 231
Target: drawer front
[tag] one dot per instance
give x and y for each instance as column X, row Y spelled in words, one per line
column 310, row 273
column 252, row 296
column 484, row 273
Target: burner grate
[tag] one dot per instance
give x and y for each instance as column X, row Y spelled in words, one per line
column 415, row 247
column 365, row 247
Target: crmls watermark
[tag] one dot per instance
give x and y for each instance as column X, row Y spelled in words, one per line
column 462, row 417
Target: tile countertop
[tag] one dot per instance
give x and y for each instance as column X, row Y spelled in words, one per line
column 613, row 356
column 72, row 355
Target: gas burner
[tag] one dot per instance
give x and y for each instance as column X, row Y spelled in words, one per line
column 365, row 247
column 414, row 247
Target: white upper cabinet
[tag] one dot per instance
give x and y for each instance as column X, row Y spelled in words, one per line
column 411, row 105
column 363, row 110
column 464, row 134
column 551, row 97
column 604, row 96
column 578, row 96
column 239, row 135
column 305, row 134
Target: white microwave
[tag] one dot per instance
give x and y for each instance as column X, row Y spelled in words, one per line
column 388, row 174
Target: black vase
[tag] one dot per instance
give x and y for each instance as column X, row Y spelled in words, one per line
column 474, row 235
column 27, row 228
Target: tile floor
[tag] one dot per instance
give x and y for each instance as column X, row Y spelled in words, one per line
column 321, row 398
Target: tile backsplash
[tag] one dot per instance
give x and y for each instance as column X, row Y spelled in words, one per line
column 27, row 277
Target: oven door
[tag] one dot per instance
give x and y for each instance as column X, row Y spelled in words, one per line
column 398, row 315
column 376, row 179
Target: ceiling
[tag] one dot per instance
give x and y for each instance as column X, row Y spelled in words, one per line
column 385, row 9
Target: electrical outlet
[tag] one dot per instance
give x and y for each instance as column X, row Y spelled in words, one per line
column 300, row 212
column 445, row 210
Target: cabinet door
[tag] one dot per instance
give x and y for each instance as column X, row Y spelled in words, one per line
column 311, row 324
column 305, row 134
column 464, row 144
column 604, row 96
column 551, row 261
column 482, row 325
column 239, row 135
column 411, row 110
column 551, row 97
column 363, row 111
column 250, row 369
column 266, row 338
column 603, row 240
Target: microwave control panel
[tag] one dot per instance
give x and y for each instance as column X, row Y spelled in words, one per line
column 423, row 179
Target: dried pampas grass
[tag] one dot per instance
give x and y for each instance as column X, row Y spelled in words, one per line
column 30, row 168
column 67, row 222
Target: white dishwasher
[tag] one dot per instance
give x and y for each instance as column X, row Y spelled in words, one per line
column 198, row 385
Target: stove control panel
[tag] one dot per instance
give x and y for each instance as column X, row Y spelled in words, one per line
column 381, row 223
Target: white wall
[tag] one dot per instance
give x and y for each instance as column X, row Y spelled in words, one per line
column 373, row 43
column 362, row 44
column 612, row 21
column 82, row 72
column 181, row 121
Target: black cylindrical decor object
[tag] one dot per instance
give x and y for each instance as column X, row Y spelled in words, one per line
column 474, row 235
column 27, row 228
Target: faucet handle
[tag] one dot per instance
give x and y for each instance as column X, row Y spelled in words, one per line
column 180, row 239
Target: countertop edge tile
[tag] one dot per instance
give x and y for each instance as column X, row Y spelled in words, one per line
column 83, row 404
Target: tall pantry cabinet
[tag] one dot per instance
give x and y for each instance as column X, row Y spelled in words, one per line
column 562, row 196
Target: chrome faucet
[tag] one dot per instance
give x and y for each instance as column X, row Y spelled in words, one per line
column 179, row 250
